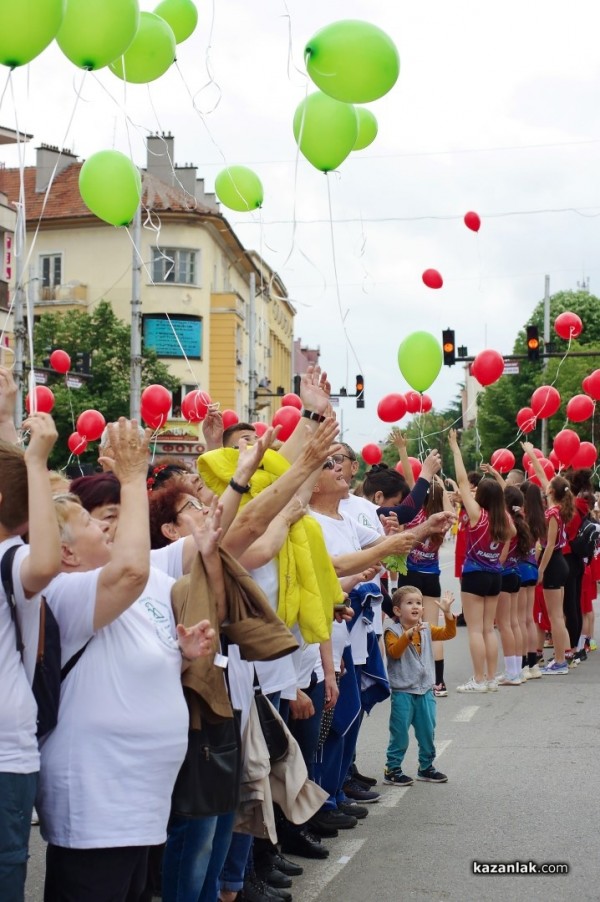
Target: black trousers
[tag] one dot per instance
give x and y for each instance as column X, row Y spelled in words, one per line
column 572, row 598
column 95, row 875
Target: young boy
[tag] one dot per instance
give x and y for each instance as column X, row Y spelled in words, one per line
column 411, row 672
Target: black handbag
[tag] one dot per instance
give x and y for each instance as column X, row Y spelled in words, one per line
column 208, row 783
column 272, row 728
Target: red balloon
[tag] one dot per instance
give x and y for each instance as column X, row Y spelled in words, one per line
column 90, row 425
column 415, row 466
column 261, row 428
column 194, row 406
column 472, row 221
column 526, row 459
column 585, row 457
column 526, row 420
column 580, row 408
column 230, row 418
column 592, row 385
column 426, row 403
column 391, row 408
column 547, row 467
column 553, row 458
column 291, row 400
column 60, row 361
column 568, row 325
column 413, row 401
column 156, row 399
column 566, row 444
column 487, row 367
column 152, row 419
column 371, row 454
column 77, row 443
column 44, row 400
column 503, row 460
column 545, row 401
column 586, row 385
column 432, row 278
column 286, row 417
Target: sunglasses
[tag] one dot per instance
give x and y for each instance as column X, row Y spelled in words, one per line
column 195, row 505
column 329, row 464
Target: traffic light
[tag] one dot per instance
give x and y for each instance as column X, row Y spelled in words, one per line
column 360, row 391
column 533, row 343
column 449, row 347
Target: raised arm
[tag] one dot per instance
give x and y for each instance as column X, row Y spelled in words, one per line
column 8, row 397
column 464, row 487
column 491, row 471
column 354, row 561
column 535, row 463
column 314, row 392
column 398, row 439
column 122, row 580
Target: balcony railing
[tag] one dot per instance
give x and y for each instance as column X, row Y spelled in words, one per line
column 56, row 295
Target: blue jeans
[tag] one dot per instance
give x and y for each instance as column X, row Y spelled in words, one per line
column 194, row 855
column 416, row 710
column 234, row 869
column 17, row 795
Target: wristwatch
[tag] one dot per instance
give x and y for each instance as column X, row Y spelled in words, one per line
column 313, row 415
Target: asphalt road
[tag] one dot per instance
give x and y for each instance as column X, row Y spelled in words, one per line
column 523, row 787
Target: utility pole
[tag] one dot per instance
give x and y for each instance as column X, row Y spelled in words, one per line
column 544, row 442
column 136, row 319
column 18, row 316
column 252, row 381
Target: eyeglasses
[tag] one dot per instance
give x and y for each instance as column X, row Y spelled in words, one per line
column 196, row 505
column 329, row 464
column 338, row 458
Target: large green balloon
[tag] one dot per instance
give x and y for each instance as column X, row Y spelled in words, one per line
column 111, row 186
column 26, row 28
column 94, row 33
column 325, row 130
column 181, row 15
column 239, row 188
column 352, row 61
column 367, row 128
column 150, row 53
column 420, row 359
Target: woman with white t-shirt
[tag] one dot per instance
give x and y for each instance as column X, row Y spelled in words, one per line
column 109, row 766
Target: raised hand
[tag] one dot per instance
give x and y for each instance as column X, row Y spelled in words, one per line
column 207, row 532
column 8, row 394
column 42, row 437
column 319, row 445
column 397, row 438
column 452, row 440
column 431, row 465
column 315, row 390
column 196, row 641
column 212, row 428
column 445, row 603
column 251, row 454
column 390, row 523
column 129, row 450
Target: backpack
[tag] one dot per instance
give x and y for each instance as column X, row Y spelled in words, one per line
column 586, row 539
column 48, row 674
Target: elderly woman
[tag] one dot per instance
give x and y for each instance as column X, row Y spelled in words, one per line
column 109, row 767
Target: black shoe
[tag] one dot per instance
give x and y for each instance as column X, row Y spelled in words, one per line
column 431, row 775
column 581, row 655
column 286, row 867
column 271, row 874
column 256, row 890
column 305, row 844
column 324, row 830
column 353, row 809
column 360, row 778
column 332, row 819
column 356, row 793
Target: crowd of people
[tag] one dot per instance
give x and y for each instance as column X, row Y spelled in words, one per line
column 224, row 630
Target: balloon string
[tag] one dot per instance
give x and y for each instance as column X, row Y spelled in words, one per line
column 290, row 56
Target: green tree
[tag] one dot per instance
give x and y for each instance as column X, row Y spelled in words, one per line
column 107, row 340
column 499, row 404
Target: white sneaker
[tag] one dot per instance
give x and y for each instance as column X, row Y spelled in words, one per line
column 508, row 680
column 492, row 685
column 525, row 674
column 35, row 821
column 535, row 673
column 473, row 686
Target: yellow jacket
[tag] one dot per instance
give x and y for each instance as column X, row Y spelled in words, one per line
column 308, row 584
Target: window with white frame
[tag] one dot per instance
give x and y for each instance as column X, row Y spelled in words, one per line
column 174, row 265
column 50, row 270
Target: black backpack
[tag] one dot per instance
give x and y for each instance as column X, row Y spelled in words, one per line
column 586, row 539
column 48, row 674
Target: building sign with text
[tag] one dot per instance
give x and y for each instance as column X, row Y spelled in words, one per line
column 179, row 335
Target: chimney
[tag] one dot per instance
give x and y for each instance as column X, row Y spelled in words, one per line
column 185, row 177
column 160, row 157
column 48, row 157
column 209, row 200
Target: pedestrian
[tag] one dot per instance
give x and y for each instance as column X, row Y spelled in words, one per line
column 411, row 672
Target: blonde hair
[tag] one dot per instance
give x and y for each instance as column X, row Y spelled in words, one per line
column 63, row 507
column 401, row 593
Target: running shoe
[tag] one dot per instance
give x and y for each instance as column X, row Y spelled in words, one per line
column 508, row 680
column 440, row 690
column 473, row 686
column 492, row 685
column 593, row 645
column 555, row 669
column 431, row 775
column 397, row 778
column 534, row 672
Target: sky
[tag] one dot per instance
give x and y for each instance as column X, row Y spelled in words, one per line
column 496, row 110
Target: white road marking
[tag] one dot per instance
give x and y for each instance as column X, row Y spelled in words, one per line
column 313, row 884
column 466, row 714
column 441, row 746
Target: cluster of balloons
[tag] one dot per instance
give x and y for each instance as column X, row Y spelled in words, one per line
column 392, row 407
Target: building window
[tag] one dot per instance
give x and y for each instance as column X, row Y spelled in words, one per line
column 171, row 264
column 51, row 270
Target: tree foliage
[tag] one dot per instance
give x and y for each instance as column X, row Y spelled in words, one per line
column 107, row 340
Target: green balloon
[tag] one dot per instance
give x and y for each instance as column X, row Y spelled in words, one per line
column 26, row 28
column 94, row 33
column 111, row 186
column 367, row 128
column 150, row 53
column 325, row 130
column 353, row 61
column 181, row 15
column 420, row 359
column 239, row 188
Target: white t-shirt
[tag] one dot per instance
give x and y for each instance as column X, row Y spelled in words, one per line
column 109, row 767
column 364, row 512
column 344, row 536
column 279, row 675
column 18, row 710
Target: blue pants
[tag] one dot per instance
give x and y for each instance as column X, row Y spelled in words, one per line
column 194, row 854
column 17, row 795
column 335, row 757
column 416, row 710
